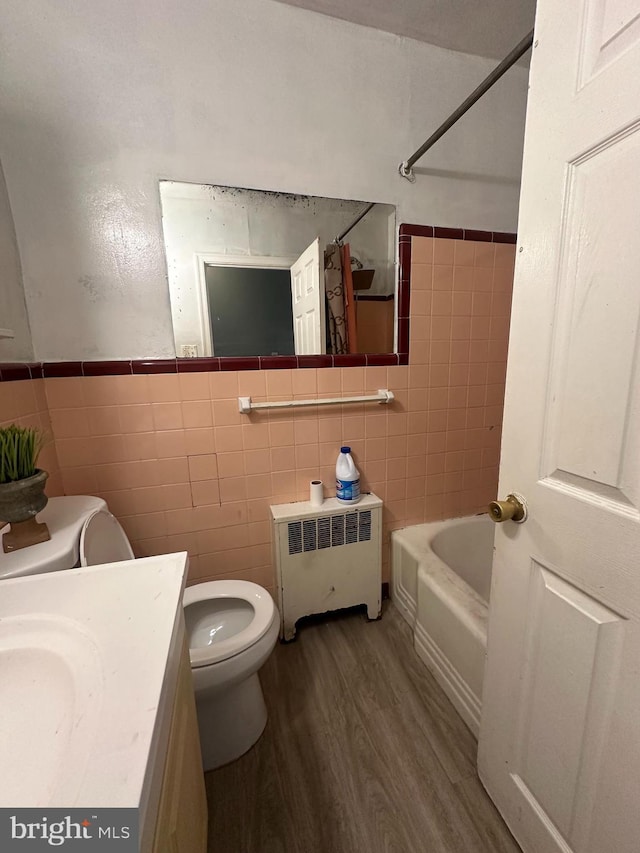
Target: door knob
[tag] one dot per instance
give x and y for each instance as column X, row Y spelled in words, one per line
column 513, row 509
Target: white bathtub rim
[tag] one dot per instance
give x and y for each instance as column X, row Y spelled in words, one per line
column 472, row 609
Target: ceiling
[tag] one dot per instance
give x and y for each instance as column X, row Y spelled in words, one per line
column 483, row 27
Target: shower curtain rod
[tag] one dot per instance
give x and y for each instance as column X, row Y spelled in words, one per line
column 360, row 216
column 406, row 168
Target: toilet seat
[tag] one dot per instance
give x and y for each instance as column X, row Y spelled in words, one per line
column 103, row 540
column 263, row 615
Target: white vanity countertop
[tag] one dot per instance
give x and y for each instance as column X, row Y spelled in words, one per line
column 83, row 656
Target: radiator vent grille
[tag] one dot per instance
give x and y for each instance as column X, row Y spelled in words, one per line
column 324, row 532
column 314, row 534
column 337, row 530
column 295, row 537
column 309, row 534
column 351, row 519
column 364, row 526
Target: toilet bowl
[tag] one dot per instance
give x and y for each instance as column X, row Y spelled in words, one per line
column 232, row 626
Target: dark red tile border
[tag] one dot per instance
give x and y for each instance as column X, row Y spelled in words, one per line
column 315, row 360
column 244, row 363
column 14, row 372
column 350, row 360
column 381, row 359
column 478, row 236
column 35, row 370
column 155, row 365
column 448, row 233
column 198, row 365
column 106, row 368
column 407, row 231
column 282, row 362
column 404, row 281
column 62, row 368
column 504, row 237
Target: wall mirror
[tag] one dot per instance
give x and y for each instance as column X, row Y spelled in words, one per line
column 254, row 273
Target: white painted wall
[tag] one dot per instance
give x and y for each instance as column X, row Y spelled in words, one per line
column 100, row 100
column 201, row 219
column 13, row 309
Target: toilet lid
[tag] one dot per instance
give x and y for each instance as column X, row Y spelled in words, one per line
column 215, row 592
column 103, row 540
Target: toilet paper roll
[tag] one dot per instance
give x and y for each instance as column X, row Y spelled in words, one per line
column 316, row 497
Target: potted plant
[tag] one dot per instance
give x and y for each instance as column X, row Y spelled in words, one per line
column 22, row 485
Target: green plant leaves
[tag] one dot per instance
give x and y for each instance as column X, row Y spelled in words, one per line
column 19, row 450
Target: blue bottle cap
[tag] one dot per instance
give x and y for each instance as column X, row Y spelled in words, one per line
column 345, row 450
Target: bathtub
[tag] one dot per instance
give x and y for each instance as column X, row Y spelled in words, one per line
column 441, row 579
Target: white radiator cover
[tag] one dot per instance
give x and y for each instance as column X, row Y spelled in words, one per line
column 327, row 558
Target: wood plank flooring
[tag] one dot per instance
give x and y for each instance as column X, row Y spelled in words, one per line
column 363, row 753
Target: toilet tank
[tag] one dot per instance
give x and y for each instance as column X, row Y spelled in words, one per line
column 65, row 517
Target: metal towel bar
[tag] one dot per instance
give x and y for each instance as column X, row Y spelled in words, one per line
column 245, row 406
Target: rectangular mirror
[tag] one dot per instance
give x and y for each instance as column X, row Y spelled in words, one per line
column 254, row 273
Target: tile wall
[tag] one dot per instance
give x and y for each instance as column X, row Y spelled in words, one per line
column 182, row 469
column 25, row 403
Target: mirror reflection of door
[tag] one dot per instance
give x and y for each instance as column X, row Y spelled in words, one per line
column 308, row 301
column 265, row 306
column 249, row 311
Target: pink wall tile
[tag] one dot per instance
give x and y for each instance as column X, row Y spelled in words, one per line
column 443, row 251
column 252, row 383
column 203, row 467
column 422, row 250
column 167, row 415
column 194, row 386
column 164, row 388
column 205, row 492
column 223, row 386
column 64, row 392
column 134, row 418
column 304, row 383
column 170, row 443
column 421, row 276
column 172, row 470
column 103, row 420
column 199, row 441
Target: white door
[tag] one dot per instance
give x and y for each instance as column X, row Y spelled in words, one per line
column 560, row 732
column 307, row 300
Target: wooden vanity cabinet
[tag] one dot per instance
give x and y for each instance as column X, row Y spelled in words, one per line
column 181, row 826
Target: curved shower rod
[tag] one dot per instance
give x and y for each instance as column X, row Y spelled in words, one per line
column 406, row 167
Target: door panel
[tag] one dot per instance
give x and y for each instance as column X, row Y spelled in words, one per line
column 308, row 301
column 572, row 651
column 593, row 375
column 559, row 747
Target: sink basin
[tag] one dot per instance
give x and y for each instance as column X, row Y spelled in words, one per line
column 52, row 689
column 87, row 661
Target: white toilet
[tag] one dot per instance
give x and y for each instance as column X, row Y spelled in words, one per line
column 232, row 626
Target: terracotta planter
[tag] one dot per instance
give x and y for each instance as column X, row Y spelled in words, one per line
column 23, row 499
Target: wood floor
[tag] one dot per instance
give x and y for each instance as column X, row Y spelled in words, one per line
column 363, row 753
